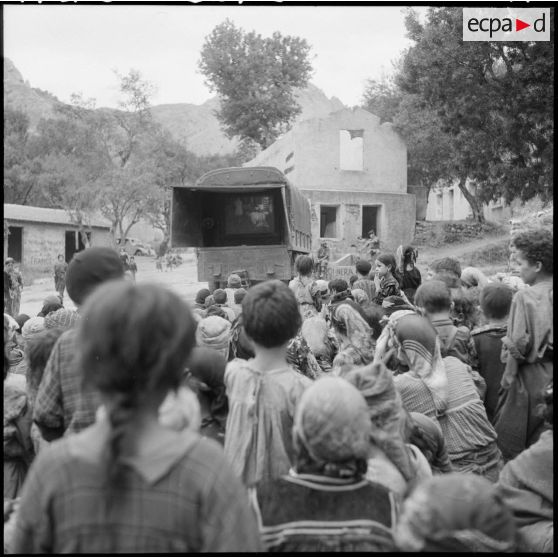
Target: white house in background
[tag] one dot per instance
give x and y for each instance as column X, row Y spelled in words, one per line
column 449, row 204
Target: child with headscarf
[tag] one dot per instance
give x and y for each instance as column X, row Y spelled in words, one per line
column 18, row 450
column 456, row 513
column 393, row 462
column 325, row 503
column 444, row 390
column 214, row 333
column 317, row 335
column 263, row 391
column 354, row 336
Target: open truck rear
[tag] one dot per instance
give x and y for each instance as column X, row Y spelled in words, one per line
column 250, row 221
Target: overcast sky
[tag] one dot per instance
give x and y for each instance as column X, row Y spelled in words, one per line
column 75, row 48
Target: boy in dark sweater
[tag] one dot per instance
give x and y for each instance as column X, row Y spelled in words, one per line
column 495, row 302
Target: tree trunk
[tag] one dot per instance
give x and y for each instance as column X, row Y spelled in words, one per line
column 473, row 201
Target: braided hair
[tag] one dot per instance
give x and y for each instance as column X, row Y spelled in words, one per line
column 135, row 341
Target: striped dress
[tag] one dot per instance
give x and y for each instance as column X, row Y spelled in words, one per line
column 469, row 436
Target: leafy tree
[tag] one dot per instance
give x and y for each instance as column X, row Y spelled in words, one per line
column 20, row 180
column 255, row 78
column 429, row 155
column 494, row 102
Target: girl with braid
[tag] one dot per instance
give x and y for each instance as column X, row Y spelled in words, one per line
column 128, row 484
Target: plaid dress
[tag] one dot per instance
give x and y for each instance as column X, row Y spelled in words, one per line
column 180, row 497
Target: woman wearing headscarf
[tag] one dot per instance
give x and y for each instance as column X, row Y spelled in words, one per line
column 456, row 513
column 320, row 341
column 393, row 463
column 444, row 390
column 214, row 333
column 325, row 503
column 354, row 335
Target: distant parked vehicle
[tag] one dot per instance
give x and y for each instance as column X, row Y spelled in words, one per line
column 135, row 247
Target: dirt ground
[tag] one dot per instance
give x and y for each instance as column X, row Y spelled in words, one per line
column 182, row 280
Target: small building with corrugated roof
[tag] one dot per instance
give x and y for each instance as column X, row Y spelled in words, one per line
column 34, row 236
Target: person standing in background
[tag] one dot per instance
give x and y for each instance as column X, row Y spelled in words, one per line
column 60, row 268
column 133, row 267
column 15, row 287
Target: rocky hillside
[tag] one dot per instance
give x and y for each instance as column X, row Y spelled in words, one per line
column 194, row 125
column 20, row 95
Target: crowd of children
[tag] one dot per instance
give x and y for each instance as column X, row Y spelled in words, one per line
column 406, row 413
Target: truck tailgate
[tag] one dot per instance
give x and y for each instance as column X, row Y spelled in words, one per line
column 261, row 262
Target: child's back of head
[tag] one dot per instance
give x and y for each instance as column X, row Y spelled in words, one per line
column 495, row 301
column 304, row 265
column 239, row 295
column 363, row 267
column 434, row 296
column 270, row 314
column 338, row 285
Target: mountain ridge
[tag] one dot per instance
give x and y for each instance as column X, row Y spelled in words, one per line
column 196, row 126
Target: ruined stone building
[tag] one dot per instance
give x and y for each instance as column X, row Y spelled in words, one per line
column 354, row 172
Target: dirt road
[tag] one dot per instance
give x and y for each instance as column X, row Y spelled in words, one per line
column 182, row 280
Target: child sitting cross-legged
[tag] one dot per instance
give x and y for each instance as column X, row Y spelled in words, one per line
column 264, row 391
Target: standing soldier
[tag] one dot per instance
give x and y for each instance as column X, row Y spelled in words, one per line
column 60, row 268
column 323, row 259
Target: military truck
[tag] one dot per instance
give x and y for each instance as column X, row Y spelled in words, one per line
column 251, row 221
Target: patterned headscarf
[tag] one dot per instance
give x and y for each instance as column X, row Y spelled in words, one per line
column 354, row 330
column 360, row 296
column 421, row 345
column 32, row 327
column 62, row 319
column 331, row 422
column 214, row 333
column 473, row 277
column 385, row 410
column 456, row 513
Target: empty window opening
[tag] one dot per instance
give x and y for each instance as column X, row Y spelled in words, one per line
column 328, row 221
column 351, row 150
column 15, row 243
